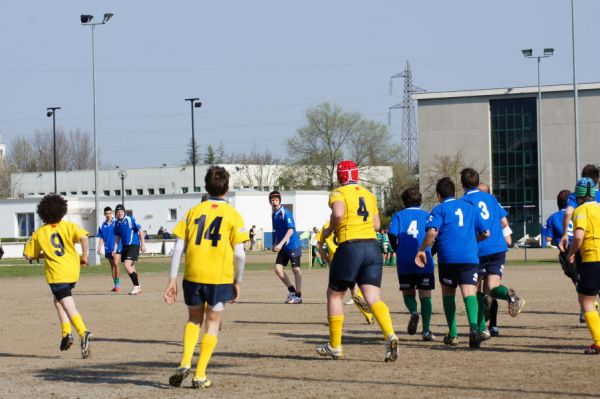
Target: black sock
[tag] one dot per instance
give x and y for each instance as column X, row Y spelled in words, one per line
column 134, row 278
column 493, row 313
column 291, row 288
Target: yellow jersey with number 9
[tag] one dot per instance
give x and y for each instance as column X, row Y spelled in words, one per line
column 360, row 208
column 57, row 241
column 211, row 229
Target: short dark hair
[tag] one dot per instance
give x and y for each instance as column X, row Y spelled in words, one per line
column 52, row 208
column 591, row 171
column 445, row 187
column 108, row 208
column 411, row 197
column 469, row 178
column 562, row 199
column 216, row 181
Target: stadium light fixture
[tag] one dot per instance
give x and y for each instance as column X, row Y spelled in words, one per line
column 548, row 52
column 51, row 112
column 86, row 20
column 527, row 52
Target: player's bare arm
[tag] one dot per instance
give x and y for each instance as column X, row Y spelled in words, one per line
column 85, row 247
column 142, row 234
column 575, row 244
column 564, row 240
column 506, row 231
column 170, row 294
column 283, row 241
column 376, row 222
column 100, row 248
column 117, row 241
column 421, row 257
column 482, row 236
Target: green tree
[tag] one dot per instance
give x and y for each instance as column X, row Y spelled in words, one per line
column 189, row 153
column 210, row 158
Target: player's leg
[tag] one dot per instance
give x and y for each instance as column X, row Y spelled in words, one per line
column 282, row 261
column 129, row 254
column 495, row 269
column 116, row 273
column 296, row 261
column 448, row 277
column 588, row 287
column 191, row 334
column 409, row 295
column 482, row 309
column 426, row 312
column 468, row 280
column 66, row 336
column 208, row 344
column 67, row 303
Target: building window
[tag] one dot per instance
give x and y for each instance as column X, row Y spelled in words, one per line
column 184, row 190
column 25, row 224
column 172, row 214
column 128, row 192
column 150, row 191
column 63, row 193
column 117, row 192
column 73, row 192
column 84, row 193
column 106, row 192
column 161, row 191
column 139, row 191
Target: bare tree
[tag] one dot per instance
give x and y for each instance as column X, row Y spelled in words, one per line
column 21, row 156
column 258, row 168
column 81, row 151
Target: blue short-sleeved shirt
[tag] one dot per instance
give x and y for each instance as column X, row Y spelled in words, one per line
column 409, row 226
column 491, row 213
column 283, row 220
column 457, row 223
column 572, row 202
column 554, row 227
column 107, row 232
column 128, row 229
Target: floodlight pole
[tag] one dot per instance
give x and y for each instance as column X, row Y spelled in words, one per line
column 52, row 112
column 575, row 94
column 193, row 103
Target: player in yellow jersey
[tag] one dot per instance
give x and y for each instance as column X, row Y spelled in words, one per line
column 586, row 240
column 326, row 251
column 62, row 264
column 212, row 234
column 354, row 220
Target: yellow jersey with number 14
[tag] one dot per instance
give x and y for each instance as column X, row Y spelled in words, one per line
column 57, row 241
column 211, row 229
column 360, row 208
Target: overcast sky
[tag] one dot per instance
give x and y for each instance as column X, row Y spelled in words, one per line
column 257, row 65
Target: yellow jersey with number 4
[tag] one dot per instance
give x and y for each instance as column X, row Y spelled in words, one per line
column 360, row 208
column 211, row 229
column 57, row 241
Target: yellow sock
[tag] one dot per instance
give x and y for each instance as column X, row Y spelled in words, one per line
column 66, row 328
column 78, row 324
column 592, row 319
column 191, row 333
column 207, row 346
column 382, row 315
column 335, row 330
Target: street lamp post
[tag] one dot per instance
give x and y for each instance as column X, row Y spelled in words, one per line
column 51, row 112
column 86, row 20
column 528, row 53
column 575, row 95
column 194, row 103
column 122, row 175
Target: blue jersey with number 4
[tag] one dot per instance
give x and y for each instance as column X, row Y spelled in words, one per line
column 491, row 213
column 409, row 226
column 457, row 223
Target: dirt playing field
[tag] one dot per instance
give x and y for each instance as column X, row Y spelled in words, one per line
column 267, row 348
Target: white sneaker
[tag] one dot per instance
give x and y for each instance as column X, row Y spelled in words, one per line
column 391, row 348
column 327, row 350
column 136, row 290
column 349, row 302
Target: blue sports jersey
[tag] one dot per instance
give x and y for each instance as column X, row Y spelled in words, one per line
column 107, row 232
column 457, row 223
column 409, row 226
column 554, row 227
column 572, row 202
column 283, row 220
column 492, row 213
column 128, row 229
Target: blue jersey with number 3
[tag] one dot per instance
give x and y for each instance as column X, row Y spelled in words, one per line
column 409, row 226
column 457, row 223
column 491, row 213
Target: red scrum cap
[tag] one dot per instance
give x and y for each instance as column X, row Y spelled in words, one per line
column 347, row 171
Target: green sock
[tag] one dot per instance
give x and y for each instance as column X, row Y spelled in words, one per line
column 450, row 312
column 472, row 306
column 500, row 292
column 480, row 312
column 411, row 303
column 426, row 311
column 117, row 282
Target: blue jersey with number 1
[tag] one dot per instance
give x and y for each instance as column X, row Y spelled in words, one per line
column 457, row 223
column 409, row 226
column 491, row 213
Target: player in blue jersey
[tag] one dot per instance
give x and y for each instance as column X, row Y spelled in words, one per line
column 406, row 233
column 554, row 232
column 456, row 227
column 492, row 252
column 129, row 234
column 287, row 245
column 592, row 172
column 106, row 234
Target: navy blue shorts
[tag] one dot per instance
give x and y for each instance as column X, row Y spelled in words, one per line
column 570, row 270
column 293, row 255
column 108, row 255
column 130, row 252
column 356, row 261
column 61, row 290
column 196, row 294
column 589, row 278
column 492, row 264
column 453, row 274
column 422, row 281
